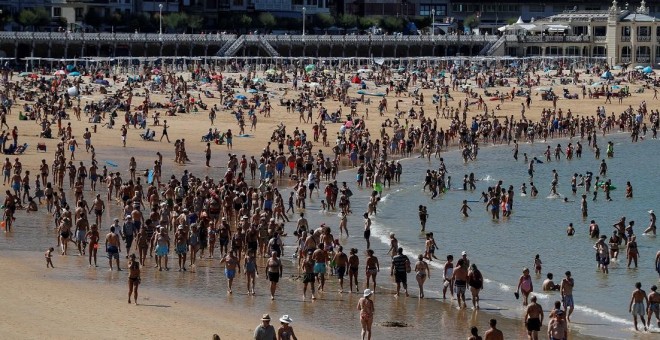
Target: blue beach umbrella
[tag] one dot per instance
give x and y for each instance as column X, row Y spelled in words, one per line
column 74, row 74
column 241, row 97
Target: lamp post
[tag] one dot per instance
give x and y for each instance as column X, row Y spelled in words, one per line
column 160, row 18
column 303, row 28
column 432, row 24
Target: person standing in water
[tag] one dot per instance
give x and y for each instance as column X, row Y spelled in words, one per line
column 566, row 291
column 636, row 306
column 525, row 285
column 367, row 229
column 651, row 229
column 422, row 272
column 653, row 306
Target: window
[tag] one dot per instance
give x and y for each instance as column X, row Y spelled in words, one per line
column 600, row 31
column 79, row 12
column 440, row 10
column 238, row 2
column 625, row 31
column 644, row 31
column 536, row 8
column 57, row 11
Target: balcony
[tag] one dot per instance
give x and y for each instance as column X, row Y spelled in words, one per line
column 643, row 38
column 625, row 59
column 600, row 38
column 643, row 59
column 625, row 38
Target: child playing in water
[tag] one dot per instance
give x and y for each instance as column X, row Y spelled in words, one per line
column 323, row 205
column 49, row 257
column 537, row 264
column 465, row 208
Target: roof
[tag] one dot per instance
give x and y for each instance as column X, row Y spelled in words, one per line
column 638, row 17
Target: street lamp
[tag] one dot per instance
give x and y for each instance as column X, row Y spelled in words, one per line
column 304, row 9
column 160, row 17
column 432, row 23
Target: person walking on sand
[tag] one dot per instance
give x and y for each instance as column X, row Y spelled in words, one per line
column 366, row 308
column 400, row 269
column 476, row 282
column 265, row 331
column 493, row 333
column 557, row 327
column 533, row 319
column 165, row 126
column 636, row 306
column 422, row 272
column 113, row 247
column 285, row 332
column 274, row 272
column 372, row 268
column 133, row 278
column 231, row 264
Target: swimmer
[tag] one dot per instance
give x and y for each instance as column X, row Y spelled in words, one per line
column 465, row 208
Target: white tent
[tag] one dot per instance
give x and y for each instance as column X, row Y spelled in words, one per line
column 518, row 25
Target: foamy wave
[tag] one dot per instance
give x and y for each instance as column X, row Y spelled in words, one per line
column 487, row 178
column 603, row 315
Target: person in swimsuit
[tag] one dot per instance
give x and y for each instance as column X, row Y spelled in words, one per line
column 533, row 319
column 423, row 272
column 653, row 306
column 366, row 308
column 251, row 271
column 566, row 291
column 476, row 283
column 353, row 268
column 285, row 332
column 557, row 327
column 373, row 267
column 133, row 278
column 274, row 273
column 309, row 277
column 631, row 252
column 448, row 273
column 525, row 285
column 113, row 247
column 231, row 264
column 636, row 306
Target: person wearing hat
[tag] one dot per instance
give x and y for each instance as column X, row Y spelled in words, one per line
column 265, row 331
column 286, row 332
column 651, row 228
column 366, row 308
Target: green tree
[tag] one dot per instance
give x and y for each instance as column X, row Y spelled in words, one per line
column 393, row 24
column 34, row 17
column 511, row 21
column 267, row 20
column 195, row 22
column 367, row 22
column 244, row 21
column 176, row 21
column 91, row 17
column 325, row 20
column 471, row 22
column 347, row 20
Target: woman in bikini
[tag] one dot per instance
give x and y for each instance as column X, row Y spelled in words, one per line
column 366, row 308
column 476, row 283
column 133, row 278
column 373, row 267
column 423, row 272
column 631, row 252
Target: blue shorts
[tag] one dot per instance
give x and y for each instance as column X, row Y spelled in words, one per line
column 162, row 250
column 568, row 301
column 181, row 249
column 113, row 252
column 319, row 268
column 230, row 273
column 279, row 167
column 268, row 205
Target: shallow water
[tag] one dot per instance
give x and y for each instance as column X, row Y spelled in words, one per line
column 537, row 226
column 499, row 248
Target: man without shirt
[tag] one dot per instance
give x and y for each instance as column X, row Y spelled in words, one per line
column 533, row 319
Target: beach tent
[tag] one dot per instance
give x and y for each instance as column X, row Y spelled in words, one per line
column 607, row 75
column 647, row 70
column 310, row 68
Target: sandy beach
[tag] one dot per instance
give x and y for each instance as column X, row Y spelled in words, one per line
column 73, row 301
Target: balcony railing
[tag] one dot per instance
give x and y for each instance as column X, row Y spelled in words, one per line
column 643, row 59
column 625, row 38
column 625, row 59
column 600, row 38
column 643, row 38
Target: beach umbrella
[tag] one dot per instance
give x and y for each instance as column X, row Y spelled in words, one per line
column 310, row 68
column 240, row 96
column 24, row 74
column 257, row 80
column 72, row 91
column 253, row 91
column 270, row 71
column 74, row 74
column 59, row 73
column 647, row 69
column 639, row 67
column 596, row 84
column 70, row 67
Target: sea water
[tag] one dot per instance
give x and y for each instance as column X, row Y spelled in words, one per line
column 501, row 248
